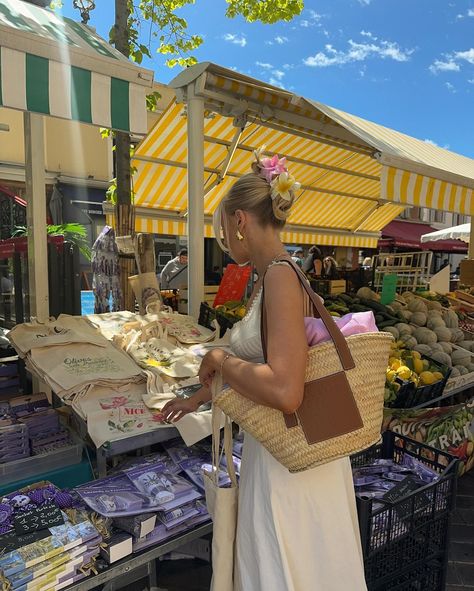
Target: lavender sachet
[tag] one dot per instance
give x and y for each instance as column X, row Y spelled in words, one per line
column 166, row 489
column 177, row 516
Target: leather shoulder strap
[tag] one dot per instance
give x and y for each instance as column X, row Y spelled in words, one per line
column 319, row 311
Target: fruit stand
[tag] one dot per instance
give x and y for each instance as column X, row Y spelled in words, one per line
column 430, row 373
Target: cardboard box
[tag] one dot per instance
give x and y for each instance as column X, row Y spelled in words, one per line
column 118, row 547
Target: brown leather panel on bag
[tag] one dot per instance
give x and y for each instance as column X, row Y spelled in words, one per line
column 328, row 409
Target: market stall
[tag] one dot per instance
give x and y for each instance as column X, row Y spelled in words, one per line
column 53, row 66
column 144, row 506
column 356, row 176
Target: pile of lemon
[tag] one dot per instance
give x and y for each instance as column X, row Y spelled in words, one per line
column 408, row 366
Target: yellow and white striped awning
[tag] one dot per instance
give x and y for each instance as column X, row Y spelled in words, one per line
column 356, row 176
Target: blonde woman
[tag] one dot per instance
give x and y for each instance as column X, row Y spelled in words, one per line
column 296, row 532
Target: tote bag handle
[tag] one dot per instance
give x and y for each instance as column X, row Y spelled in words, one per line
column 319, row 311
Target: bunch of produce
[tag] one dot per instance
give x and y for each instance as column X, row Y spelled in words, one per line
column 406, row 368
column 433, row 331
column 233, row 310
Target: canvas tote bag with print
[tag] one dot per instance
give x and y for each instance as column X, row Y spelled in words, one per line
column 222, row 502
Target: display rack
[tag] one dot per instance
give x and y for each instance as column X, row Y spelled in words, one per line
column 120, row 446
column 411, row 268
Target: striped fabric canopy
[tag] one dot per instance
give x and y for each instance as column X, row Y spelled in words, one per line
column 353, row 182
column 55, row 66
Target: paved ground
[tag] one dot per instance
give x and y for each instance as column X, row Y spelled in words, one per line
column 195, row 575
column 461, row 556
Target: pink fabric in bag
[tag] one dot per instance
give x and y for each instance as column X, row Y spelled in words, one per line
column 353, row 323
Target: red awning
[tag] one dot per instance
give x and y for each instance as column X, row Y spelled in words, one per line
column 408, row 235
column 18, row 200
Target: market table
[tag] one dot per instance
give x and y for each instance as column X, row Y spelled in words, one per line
column 124, row 568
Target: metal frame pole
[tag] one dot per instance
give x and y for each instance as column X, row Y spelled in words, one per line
column 471, row 240
column 195, row 201
column 36, row 216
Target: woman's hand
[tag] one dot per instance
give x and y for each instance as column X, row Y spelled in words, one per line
column 177, row 408
column 210, row 365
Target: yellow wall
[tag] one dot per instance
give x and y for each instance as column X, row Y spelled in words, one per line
column 72, row 149
column 76, row 150
column 11, row 142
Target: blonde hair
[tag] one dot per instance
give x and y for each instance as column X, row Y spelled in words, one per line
column 253, row 193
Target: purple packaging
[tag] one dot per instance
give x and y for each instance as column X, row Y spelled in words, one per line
column 171, row 519
column 179, row 452
column 162, row 486
column 364, row 480
column 110, row 502
column 424, row 473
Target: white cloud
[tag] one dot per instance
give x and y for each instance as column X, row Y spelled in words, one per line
column 275, row 82
column 358, row 52
column 287, row 66
column 368, row 34
column 465, row 55
column 451, row 61
column 279, row 40
column 433, row 143
column 312, row 19
column 264, row 65
column 364, row 2
column 450, row 87
column 236, row 39
column 440, row 66
column 471, row 81
column 470, row 12
column 278, row 74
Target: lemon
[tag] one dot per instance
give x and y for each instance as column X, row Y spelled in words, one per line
column 416, row 354
column 394, row 363
column 438, row 375
column 418, row 365
column 427, row 378
column 391, row 375
column 404, row 372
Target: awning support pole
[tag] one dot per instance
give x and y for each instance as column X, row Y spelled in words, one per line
column 36, row 216
column 471, row 240
column 195, row 201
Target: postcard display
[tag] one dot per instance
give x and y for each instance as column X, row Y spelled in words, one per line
column 116, row 371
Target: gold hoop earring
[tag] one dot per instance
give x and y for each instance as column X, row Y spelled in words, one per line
column 239, row 236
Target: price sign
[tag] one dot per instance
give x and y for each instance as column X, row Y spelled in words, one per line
column 37, row 519
column 11, row 541
column 233, row 284
column 401, row 490
column 389, row 289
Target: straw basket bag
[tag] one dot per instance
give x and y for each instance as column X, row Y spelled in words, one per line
column 342, row 406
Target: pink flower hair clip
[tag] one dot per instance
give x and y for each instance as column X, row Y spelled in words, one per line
column 275, row 171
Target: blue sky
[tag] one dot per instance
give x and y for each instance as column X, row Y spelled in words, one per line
column 406, row 64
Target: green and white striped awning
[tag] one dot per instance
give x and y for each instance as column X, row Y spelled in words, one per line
column 55, row 66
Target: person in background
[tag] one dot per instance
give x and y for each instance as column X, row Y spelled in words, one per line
column 330, row 268
column 313, row 263
column 173, row 274
column 297, row 256
column 6, row 283
column 367, row 262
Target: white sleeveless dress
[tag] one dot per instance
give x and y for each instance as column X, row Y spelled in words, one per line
column 295, row 532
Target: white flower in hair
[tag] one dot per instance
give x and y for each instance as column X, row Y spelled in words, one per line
column 282, row 186
column 258, row 152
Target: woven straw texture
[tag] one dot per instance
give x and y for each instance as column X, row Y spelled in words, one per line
column 370, row 352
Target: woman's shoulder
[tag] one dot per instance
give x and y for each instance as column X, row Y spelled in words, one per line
column 280, row 273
